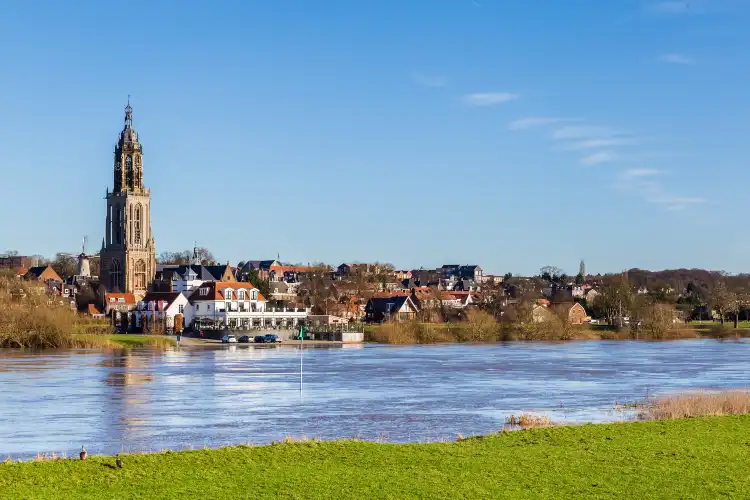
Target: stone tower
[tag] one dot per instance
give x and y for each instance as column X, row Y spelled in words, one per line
column 128, row 255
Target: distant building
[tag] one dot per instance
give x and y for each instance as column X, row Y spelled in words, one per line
column 394, row 308
column 261, row 267
column 15, row 262
column 44, row 274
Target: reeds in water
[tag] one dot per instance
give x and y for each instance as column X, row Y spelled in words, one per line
column 698, row 404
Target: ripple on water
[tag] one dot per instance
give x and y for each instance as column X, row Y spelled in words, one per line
column 144, row 400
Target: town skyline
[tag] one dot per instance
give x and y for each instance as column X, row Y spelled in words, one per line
column 506, row 162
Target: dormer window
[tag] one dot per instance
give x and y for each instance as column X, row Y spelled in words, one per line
column 228, row 294
column 204, row 292
column 254, row 295
column 240, row 294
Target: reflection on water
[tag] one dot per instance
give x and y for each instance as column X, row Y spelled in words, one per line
column 144, row 400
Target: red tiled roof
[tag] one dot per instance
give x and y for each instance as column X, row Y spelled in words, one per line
column 92, row 310
column 114, row 297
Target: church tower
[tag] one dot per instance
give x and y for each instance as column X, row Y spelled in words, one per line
column 128, row 255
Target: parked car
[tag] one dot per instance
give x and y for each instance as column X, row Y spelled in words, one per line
column 258, row 339
column 229, row 339
column 271, row 339
column 245, row 339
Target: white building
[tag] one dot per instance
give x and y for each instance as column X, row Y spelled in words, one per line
column 239, row 305
column 165, row 306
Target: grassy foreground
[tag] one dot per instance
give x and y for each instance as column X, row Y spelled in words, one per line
column 692, row 458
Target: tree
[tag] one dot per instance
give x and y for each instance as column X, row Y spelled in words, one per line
column 493, row 299
column 507, row 276
column 721, row 300
column 655, row 320
column 579, row 279
column 186, row 257
column 85, row 296
column 551, row 273
column 262, row 285
column 615, row 299
column 65, row 265
column 178, row 320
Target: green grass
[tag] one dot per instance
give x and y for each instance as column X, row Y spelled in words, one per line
column 692, row 458
column 119, row 340
column 133, row 340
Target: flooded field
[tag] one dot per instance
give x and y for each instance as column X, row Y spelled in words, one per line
column 148, row 400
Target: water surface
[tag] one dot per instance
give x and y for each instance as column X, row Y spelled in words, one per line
column 146, row 400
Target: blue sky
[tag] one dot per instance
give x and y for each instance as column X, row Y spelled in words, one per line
column 514, row 134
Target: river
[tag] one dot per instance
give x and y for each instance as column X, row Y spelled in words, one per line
column 131, row 400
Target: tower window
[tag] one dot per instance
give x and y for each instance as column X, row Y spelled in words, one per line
column 129, row 171
column 115, row 275
column 138, row 224
column 140, row 275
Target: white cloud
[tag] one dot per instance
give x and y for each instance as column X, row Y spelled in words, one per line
column 598, row 158
column 601, row 143
column 428, row 80
column 644, row 183
column 676, row 59
column 582, row 132
column 673, row 7
column 489, row 98
column 537, row 121
column 640, row 172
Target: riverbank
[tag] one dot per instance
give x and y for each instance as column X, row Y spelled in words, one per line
column 482, row 328
column 691, row 458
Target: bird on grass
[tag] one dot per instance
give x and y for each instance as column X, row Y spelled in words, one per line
column 83, row 453
column 118, row 461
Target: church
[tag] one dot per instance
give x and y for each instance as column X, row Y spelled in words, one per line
column 128, row 254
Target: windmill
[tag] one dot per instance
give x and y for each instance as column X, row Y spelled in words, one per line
column 84, row 267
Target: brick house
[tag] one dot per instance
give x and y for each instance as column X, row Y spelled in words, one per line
column 44, row 274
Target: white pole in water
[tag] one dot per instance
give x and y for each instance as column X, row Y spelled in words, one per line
column 301, row 339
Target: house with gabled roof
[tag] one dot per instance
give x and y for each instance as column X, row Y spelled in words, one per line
column 390, row 308
column 44, row 274
column 165, row 306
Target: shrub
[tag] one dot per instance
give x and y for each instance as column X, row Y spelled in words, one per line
column 698, row 404
column 528, row 421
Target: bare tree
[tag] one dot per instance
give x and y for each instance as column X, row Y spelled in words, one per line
column 616, row 299
column 721, row 300
column 65, row 265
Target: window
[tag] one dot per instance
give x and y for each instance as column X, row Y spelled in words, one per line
column 121, row 299
column 181, row 309
column 204, row 292
column 197, row 307
column 115, row 275
column 137, row 222
column 240, row 294
column 129, row 172
column 228, row 294
column 254, row 295
column 140, row 275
